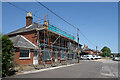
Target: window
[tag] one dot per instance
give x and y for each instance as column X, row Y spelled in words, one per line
column 24, row 54
column 62, row 56
column 46, row 55
column 93, row 55
column 70, row 56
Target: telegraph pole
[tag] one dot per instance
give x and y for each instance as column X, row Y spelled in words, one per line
column 96, row 50
column 78, row 44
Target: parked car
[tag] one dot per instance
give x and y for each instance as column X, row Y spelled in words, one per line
column 116, row 58
column 97, row 57
column 87, row 57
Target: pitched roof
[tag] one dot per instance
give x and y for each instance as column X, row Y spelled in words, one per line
column 25, row 29
column 97, row 51
column 34, row 26
column 86, row 49
column 21, row 42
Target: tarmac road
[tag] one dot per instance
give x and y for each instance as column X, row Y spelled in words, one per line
column 86, row 69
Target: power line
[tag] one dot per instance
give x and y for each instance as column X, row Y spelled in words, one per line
column 64, row 20
column 87, row 38
column 54, row 14
column 23, row 10
column 17, row 7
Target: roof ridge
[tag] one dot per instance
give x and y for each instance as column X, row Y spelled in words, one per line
column 28, row 41
column 17, row 39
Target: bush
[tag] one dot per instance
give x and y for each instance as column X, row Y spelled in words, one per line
column 7, row 56
column 0, row 55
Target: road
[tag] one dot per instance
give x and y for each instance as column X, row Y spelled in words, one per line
column 86, row 69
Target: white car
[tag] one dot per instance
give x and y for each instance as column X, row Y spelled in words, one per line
column 97, row 57
column 116, row 58
column 87, row 57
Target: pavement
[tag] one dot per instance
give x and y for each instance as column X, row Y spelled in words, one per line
column 45, row 69
column 103, row 68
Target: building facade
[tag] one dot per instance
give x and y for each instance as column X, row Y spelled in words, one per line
column 38, row 44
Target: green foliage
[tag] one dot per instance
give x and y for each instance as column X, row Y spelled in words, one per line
column 0, row 55
column 106, row 52
column 118, row 55
column 7, row 56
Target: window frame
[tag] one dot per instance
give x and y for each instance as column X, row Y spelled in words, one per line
column 25, row 57
column 46, row 56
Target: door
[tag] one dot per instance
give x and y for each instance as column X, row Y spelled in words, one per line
column 56, row 56
column 35, row 58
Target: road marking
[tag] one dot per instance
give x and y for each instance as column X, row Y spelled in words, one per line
column 107, row 72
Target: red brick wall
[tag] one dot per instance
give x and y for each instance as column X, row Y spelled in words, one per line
column 88, row 52
column 95, row 53
column 31, row 36
column 22, row 61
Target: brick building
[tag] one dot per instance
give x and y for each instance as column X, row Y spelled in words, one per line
column 90, row 51
column 87, row 50
column 35, row 43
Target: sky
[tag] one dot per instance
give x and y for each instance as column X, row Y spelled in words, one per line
column 98, row 21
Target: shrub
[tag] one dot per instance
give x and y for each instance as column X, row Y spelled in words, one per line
column 7, row 56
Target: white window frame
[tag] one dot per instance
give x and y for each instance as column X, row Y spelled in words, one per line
column 25, row 57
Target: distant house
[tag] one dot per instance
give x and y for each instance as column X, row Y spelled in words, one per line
column 88, row 50
column 35, row 43
column 97, row 52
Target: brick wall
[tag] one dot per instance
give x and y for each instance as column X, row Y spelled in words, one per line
column 31, row 36
column 18, row 61
column 89, row 52
column 94, row 53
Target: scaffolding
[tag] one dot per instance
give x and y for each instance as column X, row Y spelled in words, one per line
column 57, row 30
column 55, row 43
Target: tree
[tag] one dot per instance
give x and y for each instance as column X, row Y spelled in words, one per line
column 118, row 55
column 0, row 55
column 105, row 51
column 7, row 56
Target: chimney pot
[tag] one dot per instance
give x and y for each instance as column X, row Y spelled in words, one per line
column 29, row 19
column 84, row 46
column 29, row 14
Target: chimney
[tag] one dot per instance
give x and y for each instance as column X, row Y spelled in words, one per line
column 29, row 19
column 84, row 46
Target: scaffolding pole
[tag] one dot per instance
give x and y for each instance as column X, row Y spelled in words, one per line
column 78, row 45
